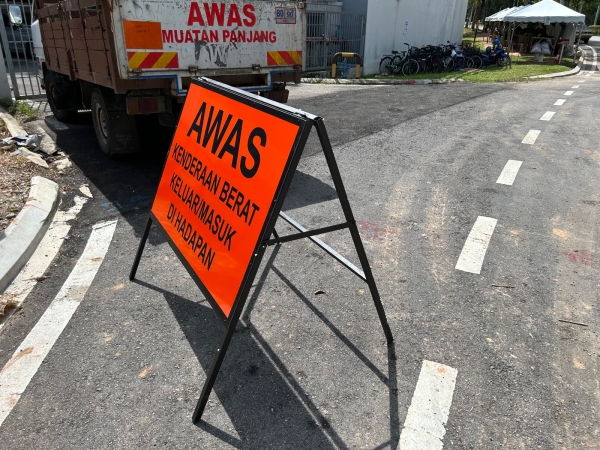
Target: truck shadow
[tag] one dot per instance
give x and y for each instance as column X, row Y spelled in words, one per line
column 265, row 403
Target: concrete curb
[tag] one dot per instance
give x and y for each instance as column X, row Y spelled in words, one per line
column 14, row 127
column 21, row 238
column 567, row 73
column 368, row 81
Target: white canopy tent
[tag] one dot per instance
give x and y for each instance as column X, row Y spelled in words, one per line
column 546, row 12
column 500, row 15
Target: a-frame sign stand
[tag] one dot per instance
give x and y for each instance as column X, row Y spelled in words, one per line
column 190, row 198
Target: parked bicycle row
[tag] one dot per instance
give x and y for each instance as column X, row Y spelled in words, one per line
column 440, row 58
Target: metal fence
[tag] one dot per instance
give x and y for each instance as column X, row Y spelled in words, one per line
column 17, row 47
column 328, row 33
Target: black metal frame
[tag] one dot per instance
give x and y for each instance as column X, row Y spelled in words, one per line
column 269, row 228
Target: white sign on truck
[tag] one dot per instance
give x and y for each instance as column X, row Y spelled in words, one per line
column 208, row 38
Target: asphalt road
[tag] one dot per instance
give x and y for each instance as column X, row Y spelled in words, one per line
column 512, row 352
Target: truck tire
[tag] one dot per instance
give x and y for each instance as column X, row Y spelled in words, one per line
column 64, row 96
column 116, row 131
column 101, row 122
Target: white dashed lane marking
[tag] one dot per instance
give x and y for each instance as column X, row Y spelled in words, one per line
column 531, row 137
column 575, row 87
column 547, row 115
column 560, row 102
column 568, row 93
column 424, row 427
column 473, row 252
column 25, row 362
column 509, row 173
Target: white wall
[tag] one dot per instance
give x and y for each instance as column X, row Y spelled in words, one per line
column 356, row 6
column 429, row 22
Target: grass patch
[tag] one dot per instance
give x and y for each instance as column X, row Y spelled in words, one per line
column 22, row 111
column 522, row 67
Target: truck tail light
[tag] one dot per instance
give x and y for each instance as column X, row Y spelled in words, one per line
column 145, row 105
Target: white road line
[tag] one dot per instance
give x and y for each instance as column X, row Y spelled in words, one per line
column 589, row 74
column 568, row 92
column 473, row 252
column 20, row 369
column 575, row 86
column 547, row 115
column 594, row 57
column 509, row 173
column 560, row 102
column 424, row 427
column 37, row 265
column 531, row 137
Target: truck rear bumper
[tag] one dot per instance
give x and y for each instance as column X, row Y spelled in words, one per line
column 248, row 82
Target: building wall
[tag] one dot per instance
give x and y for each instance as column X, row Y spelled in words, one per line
column 323, row 5
column 356, row 6
column 429, row 22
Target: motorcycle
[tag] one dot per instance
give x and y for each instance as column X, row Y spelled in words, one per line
column 498, row 56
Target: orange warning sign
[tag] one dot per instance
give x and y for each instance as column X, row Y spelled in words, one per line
column 140, row 34
column 219, row 183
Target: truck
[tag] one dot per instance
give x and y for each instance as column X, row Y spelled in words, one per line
column 125, row 58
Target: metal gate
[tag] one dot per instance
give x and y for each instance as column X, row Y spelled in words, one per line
column 328, row 33
column 17, row 48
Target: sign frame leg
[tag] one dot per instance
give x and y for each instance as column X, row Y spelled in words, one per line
column 140, row 249
column 349, row 216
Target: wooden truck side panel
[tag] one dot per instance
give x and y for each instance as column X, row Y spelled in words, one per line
column 77, row 43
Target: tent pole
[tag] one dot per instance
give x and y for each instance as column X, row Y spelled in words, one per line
column 578, row 43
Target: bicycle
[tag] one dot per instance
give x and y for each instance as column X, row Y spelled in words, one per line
column 396, row 62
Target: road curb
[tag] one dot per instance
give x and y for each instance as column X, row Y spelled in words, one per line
column 368, row 81
column 566, row 73
column 22, row 236
column 20, row 239
column 14, row 127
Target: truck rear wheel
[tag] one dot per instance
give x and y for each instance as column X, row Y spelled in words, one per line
column 63, row 95
column 116, row 131
column 101, row 122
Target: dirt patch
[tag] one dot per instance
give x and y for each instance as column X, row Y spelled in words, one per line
column 15, row 181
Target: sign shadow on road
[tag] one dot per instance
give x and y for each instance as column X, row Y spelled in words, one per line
column 282, row 413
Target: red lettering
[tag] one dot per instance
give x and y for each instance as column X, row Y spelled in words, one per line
column 195, row 15
column 214, row 36
column 234, row 16
column 188, row 36
column 225, row 35
column 264, row 36
column 241, row 37
column 205, row 36
column 213, row 11
column 233, row 37
column 248, row 11
column 256, row 37
column 196, row 34
column 178, row 39
column 272, row 37
column 167, row 36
